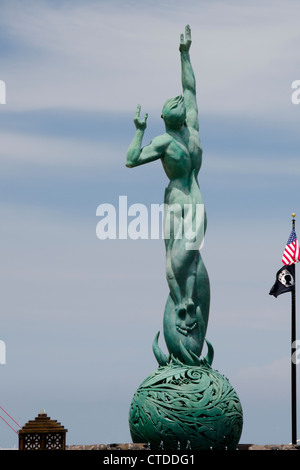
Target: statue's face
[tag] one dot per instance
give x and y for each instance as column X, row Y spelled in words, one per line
column 174, row 112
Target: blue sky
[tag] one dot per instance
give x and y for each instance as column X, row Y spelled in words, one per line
column 78, row 315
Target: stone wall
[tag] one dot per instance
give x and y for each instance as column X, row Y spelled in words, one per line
column 131, row 446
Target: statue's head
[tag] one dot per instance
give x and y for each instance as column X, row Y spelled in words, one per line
column 174, row 112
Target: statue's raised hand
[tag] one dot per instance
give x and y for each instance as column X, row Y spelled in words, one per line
column 185, row 42
column 140, row 123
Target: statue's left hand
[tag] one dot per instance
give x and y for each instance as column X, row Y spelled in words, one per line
column 185, row 43
column 140, row 123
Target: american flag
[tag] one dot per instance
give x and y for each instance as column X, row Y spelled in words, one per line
column 291, row 253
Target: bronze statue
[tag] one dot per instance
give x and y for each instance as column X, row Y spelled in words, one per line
column 180, row 151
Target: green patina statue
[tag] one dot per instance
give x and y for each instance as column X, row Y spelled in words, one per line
column 184, row 402
column 180, row 151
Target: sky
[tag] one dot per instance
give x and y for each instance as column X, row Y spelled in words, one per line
column 79, row 314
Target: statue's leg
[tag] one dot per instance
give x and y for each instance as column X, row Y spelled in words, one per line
column 169, row 234
column 201, row 297
column 178, row 259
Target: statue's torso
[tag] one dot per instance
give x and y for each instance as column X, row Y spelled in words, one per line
column 183, row 155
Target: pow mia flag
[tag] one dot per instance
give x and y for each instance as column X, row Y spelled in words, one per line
column 285, row 281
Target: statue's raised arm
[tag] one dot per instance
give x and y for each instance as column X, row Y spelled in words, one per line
column 188, row 80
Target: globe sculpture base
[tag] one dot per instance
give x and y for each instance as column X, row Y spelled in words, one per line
column 186, row 407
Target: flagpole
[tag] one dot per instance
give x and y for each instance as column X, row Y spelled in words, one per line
column 293, row 362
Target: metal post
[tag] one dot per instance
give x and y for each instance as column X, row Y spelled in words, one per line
column 293, row 362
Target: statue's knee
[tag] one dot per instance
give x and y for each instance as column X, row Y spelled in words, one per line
column 170, row 276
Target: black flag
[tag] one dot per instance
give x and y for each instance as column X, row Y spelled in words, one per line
column 285, row 280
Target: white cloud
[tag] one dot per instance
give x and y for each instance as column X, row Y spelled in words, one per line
column 21, row 148
column 102, row 56
column 253, row 165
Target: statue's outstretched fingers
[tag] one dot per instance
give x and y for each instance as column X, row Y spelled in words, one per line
column 138, row 110
column 188, row 33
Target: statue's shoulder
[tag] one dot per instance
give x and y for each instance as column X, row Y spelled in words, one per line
column 162, row 141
